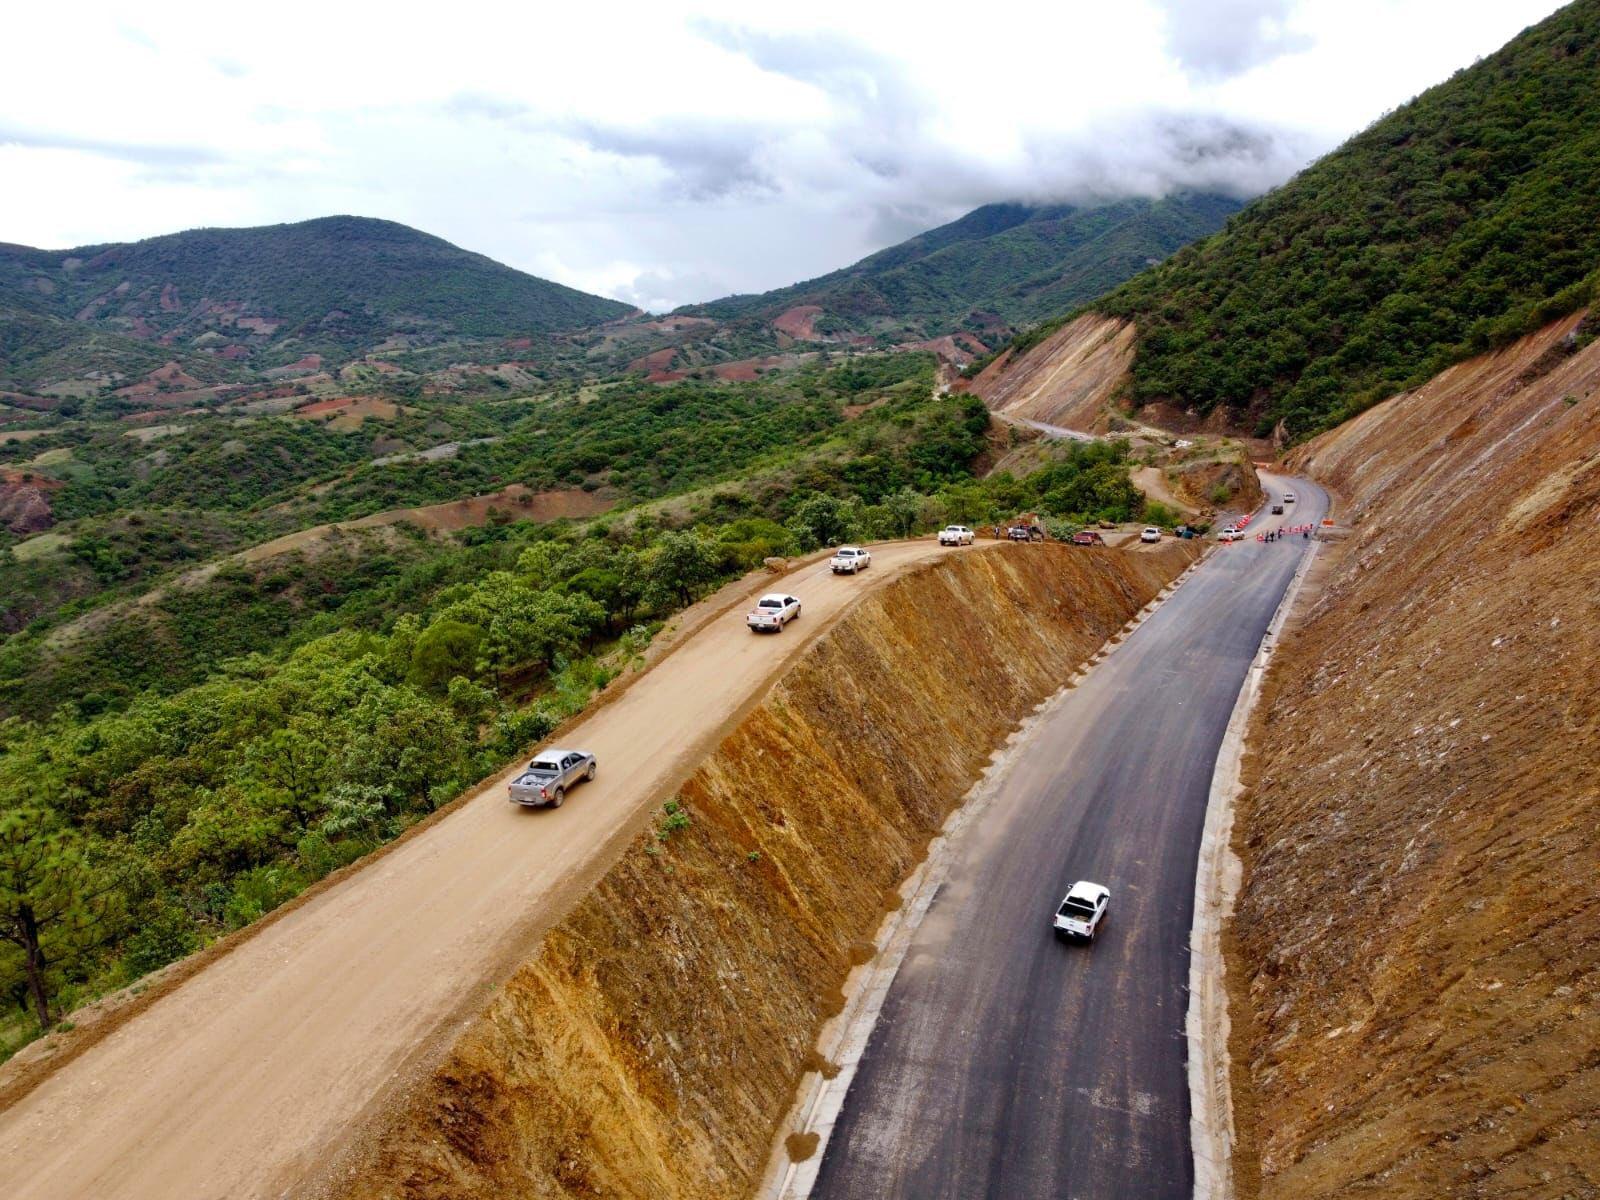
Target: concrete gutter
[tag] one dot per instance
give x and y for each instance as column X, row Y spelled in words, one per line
column 843, row 1039
column 1216, row 886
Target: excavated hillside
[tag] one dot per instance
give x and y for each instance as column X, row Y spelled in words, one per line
column 1068, row 379
column 1415, row 959
column 654, row 1044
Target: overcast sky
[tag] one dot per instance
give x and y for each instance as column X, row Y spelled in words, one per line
column 663, row 153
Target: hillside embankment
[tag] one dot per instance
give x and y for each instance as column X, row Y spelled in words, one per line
column 1068, row 379
column 1414, row 958
column 653, row 1045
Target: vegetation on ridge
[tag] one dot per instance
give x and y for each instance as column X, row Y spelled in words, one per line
column 1011, row 262
column 1463, row 219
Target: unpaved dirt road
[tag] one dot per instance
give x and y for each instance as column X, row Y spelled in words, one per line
column 1005, row 1065
column 246, row 1078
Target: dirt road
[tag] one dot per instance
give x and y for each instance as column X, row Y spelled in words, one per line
column 246, row 1078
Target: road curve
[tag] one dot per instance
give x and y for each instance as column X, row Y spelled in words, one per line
column 1005, row 1064
column 244, row 1079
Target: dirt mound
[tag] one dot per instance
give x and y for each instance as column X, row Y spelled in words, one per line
column 24, row 508
column 654, row 1044
column 1415, row 954
column 1068, row 379
column 1217, row 482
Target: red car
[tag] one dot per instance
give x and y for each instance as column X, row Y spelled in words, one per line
column 1087, row 537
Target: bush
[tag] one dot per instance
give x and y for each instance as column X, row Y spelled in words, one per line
column 520, row 728
column 165, row 935
column 1157, row 513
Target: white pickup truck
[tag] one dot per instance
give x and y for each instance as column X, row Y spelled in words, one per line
column 850, row 559
column 955, row 535
column 772, row 612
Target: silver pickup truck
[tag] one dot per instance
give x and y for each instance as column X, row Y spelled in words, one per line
column 550, row 775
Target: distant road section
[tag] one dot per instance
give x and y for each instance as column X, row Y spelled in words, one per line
column 242, row 1081
column 1006, row 1065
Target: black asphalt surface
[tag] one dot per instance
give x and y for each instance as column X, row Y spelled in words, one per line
column 1011, row 1066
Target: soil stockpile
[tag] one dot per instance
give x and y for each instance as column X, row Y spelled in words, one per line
column 653, row 1045
column 1415, row 959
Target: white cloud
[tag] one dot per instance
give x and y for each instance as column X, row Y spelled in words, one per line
column 662, row 153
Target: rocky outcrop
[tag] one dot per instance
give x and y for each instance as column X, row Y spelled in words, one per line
column 653, row 1045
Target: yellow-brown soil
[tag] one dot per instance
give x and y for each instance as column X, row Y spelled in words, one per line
column 1229, row 481
column 1068, row 379
column 1415, row 959
column 653, row 1045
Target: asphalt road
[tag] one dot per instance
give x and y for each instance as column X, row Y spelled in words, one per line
column 1011, row 1066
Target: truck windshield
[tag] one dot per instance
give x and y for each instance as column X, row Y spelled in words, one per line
column 544, row 765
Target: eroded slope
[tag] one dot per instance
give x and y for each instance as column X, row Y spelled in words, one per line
column 1417, row 945
column 653, row 1045
column 1068, row 379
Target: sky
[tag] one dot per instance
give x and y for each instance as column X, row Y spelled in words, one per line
column 668, row 153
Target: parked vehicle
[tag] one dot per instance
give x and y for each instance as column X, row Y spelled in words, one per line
column 850, row 559
column 1087, row 537
column 1019, row 533
column 955, row 535
column 1081, row 911
column 773, row 611
column 1229, row 534
column 1277, row 510
column 1150, row 534
column 550, row 775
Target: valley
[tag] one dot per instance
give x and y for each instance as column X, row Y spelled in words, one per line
column 1231, row 526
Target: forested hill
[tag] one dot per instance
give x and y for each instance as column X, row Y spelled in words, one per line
column 335, row 286
column 1016, row 262
column 1460, row 220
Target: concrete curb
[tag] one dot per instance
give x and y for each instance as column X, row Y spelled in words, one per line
column 843, row 1040
column 1216, row 885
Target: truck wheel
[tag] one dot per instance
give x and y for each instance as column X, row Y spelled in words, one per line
column 557, row 796
column 589, row 774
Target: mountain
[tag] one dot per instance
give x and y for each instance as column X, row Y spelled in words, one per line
column 259, row 298
column 999, row 264
column 1461, row 220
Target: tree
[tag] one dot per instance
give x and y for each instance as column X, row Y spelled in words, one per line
column 445, row 649
column 52, row 906
column 679, row 565
column 905, row 509
column 291, row 763
column 823, row 520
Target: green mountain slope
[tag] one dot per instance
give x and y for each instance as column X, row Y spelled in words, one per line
column 1015, row 261
column 336, row 286
column 1453, row 224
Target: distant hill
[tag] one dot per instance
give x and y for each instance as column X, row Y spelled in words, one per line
column 1461, row 220
column 1000, row 264
column 264, row 297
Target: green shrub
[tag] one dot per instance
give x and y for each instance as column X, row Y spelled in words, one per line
column 164, row 935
